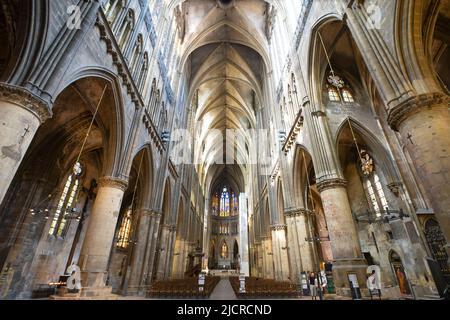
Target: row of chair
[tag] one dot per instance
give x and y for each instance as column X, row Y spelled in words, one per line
column 257, row 287
column 188, row 288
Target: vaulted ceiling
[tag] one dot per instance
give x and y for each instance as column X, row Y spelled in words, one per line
column 225, row 46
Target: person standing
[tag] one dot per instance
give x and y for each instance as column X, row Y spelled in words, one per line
column 313, row 286
column 373, row 285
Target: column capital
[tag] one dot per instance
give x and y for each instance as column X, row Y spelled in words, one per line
column 297, row 212
column 400, row 112
column 112, row 182
column 276, row 227
column 155, row 214
column 145, row 211
column 25, row 99
column 170, row 227
column 331, row 184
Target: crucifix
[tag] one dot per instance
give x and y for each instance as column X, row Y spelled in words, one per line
column 26, row 131
column 409, row 136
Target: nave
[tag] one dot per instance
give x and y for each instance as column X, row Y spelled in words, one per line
column 298, row 146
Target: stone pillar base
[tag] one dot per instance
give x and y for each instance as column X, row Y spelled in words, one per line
column 135, row 291
column 93, row 279
column 341, row 270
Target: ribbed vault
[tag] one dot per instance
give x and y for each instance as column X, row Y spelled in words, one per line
column 225, row 62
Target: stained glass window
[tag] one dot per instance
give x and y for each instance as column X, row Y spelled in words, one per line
column 338, row 89
column 371, row 194
column 380, row 192
column 375, row 193
column 66, row 202
column 333, row 94
column 225, row 203
column 215, row 205
column 235, row 204
column 123, row 238
column 347, row 96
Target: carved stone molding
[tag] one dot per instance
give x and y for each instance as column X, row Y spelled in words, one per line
column 297, row 212
column 169, row 227
column 271, row 13
column 276, row 227
column 156, row 214
column 180, row 22
column 331, row 184
column 145, row 211
column 295, row 131
column 395, row 187
column 25, row 99
column 402, row 111
column 112, row 182
column 318, row 113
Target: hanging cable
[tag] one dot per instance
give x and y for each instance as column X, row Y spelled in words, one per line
column 334, row 81
column 354, row 140
column 326, row 54
column 91, row 124
column 83, row 145
column 82, row 148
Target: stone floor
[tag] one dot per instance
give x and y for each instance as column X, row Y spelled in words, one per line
column 223, row 291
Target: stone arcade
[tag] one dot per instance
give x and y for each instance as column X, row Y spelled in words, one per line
column 269, row 138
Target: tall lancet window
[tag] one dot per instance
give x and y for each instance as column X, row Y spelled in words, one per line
column 66, row 202
column 123, row 238
column 215, row 205
column 333, row 94
column 375, row 194
column 235, row 204
column 225, row 203
column 338, row 88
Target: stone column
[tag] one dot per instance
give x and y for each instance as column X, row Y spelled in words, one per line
column 163, row 252
column 170, row 251
column 300, row 249
column 21, row 114
column 344, row 239
column 259, row 262
column 243, row 235
column 102, row 223
column 415, row 104
column 267, row 253
column 332, row 187
column 424, row 122
column 178, row 256
column 138, row 262
column 280, row 255
column 187, row 250
column 150, row 253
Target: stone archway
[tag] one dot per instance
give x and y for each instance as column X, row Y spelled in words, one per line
column 126, row 264
column 40, row 182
